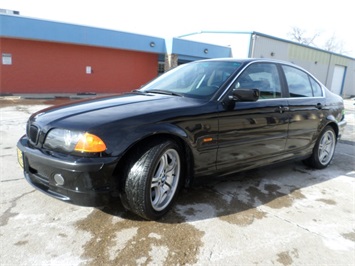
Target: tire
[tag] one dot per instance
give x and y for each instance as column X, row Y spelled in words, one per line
column 324, row 149
column 152, row 180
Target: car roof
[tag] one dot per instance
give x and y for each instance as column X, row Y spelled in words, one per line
column 246, row 61
column 249, row 60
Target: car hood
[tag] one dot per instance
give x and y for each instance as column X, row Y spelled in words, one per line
column 101, row 111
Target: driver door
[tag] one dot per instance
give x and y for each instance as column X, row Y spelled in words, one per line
column 253, row 132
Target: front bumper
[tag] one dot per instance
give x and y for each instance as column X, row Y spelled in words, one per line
column 83, row 181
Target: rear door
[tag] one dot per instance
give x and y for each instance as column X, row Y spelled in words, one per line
column 254, row 131
column 305, row 108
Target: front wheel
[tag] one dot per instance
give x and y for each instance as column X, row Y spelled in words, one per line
column 324, row 149
column 153, row 179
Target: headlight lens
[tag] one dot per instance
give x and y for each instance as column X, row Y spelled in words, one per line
column 69, row 141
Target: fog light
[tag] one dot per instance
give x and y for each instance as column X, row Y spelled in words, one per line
column 58, row 178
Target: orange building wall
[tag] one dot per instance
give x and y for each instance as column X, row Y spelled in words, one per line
column 45, row 67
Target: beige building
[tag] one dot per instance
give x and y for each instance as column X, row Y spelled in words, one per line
column 335, row 71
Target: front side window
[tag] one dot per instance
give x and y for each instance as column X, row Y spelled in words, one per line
column 261, row 76
column 298, row 82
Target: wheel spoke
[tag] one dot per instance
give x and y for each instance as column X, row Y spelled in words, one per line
column 156, row 195
column 163, row 195
column 159, row 195
column 323, row 155
column 155, row 183
column 169, row 185
column 159, row 173
column 171, row 163
column 161, row 167
column 165, row 179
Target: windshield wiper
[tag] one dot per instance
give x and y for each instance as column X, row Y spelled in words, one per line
column 138, row 91
column 164, row 92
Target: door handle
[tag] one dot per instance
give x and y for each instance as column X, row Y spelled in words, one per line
column 282, row 109
column 319, row 106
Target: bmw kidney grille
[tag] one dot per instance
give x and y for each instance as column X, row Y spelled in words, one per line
column 33, row 134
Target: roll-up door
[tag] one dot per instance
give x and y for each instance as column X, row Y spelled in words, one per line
column 338, row 79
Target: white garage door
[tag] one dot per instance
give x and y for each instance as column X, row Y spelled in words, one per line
column 338, row 78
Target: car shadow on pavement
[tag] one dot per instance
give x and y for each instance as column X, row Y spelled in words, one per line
column 241, row 198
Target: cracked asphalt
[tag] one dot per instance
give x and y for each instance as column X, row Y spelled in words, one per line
column 278, row 215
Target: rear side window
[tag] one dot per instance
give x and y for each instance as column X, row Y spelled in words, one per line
column 299, row 84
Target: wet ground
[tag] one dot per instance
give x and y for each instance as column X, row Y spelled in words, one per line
column 279, row 215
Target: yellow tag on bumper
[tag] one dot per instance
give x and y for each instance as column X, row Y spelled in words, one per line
column 20, row 157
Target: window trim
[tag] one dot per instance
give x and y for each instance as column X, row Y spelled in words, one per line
column 309, row 75
column 284, row 87
column 280, row 74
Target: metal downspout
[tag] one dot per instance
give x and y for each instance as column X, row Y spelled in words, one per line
column 252, row 47
column 326, row 77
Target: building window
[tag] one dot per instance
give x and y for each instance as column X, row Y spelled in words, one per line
column 161, row 68
column 6, row 59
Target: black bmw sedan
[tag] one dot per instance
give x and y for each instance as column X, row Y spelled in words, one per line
column 211, row 117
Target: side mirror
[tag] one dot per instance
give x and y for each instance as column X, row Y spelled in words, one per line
column 245, row 95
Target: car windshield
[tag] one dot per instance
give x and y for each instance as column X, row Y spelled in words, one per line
column 198, row 79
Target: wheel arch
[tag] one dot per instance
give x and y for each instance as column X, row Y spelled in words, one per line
column 331, row 121
column 180, row 139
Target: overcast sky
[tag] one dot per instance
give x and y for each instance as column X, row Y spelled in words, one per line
column 169, row 18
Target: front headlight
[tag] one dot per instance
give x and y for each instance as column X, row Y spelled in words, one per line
column 69, row 141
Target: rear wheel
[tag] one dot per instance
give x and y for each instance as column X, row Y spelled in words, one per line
column 153, row 179
column 324, row 149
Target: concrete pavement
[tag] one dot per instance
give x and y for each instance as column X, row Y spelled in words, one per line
column 279, row 215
